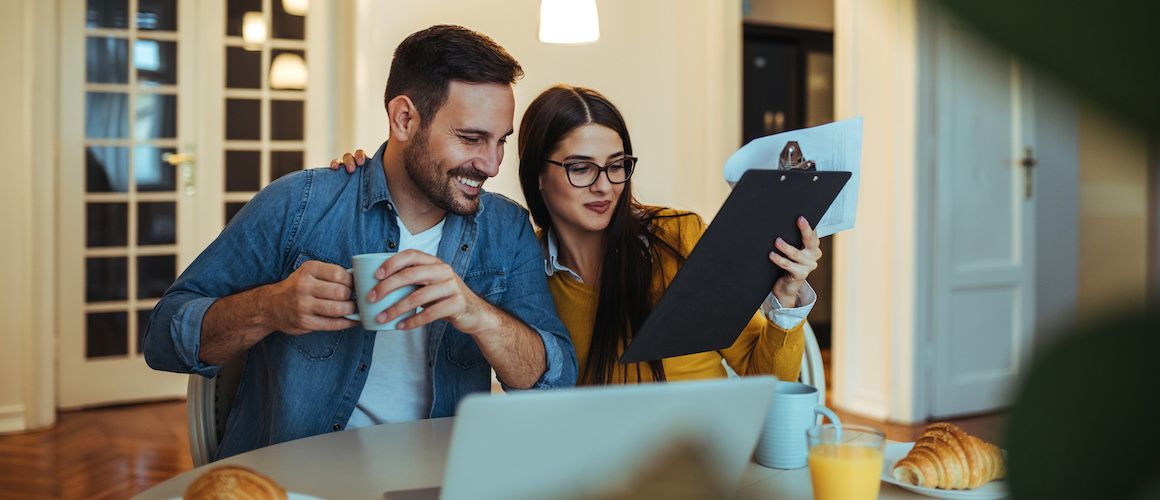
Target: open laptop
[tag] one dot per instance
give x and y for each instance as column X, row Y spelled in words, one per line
column 587, row 441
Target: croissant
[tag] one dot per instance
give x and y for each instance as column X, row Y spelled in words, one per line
column 234, row 482
column 947, row 457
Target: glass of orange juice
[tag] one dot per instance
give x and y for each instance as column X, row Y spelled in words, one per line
column 845, row 462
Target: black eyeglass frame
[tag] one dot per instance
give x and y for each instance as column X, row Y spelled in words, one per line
column 630, row 167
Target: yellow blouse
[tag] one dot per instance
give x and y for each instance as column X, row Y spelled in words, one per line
column 762, row 348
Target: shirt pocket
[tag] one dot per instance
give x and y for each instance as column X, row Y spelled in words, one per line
column 489, row 285
column 462, row 351
column 314, row 346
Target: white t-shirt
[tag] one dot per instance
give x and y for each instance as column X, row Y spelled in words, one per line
column 398, row 387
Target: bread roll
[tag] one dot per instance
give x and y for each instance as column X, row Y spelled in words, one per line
column 234, row 482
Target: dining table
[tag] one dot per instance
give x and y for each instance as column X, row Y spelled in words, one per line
column 365, row 463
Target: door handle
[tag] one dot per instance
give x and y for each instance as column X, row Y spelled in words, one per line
column 176, row 159
column 1028, row 162
column 185, row 163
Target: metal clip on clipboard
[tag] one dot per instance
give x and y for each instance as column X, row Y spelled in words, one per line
column 791, row 158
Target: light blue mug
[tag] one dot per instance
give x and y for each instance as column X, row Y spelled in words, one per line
column 363, row 271
column 783, row 438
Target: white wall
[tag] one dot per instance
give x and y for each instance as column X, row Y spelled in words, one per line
column 26, row 326
column 874, row 360
column 806, row 14
column 16, row 217
column 671, row 66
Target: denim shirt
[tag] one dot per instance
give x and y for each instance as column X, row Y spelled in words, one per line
column 304, row 385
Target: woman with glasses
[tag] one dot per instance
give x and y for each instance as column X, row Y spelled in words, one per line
column 609, row 258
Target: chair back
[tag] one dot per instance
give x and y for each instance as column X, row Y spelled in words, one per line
column 208, row 403
column 813, row 371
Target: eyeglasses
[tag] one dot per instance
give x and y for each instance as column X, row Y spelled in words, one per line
column 582, row 174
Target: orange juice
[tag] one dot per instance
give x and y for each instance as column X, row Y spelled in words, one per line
column 845, row 471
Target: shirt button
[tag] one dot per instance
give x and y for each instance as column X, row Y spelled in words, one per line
column 391, row 245
column 464, row 247
column 362, row 368
column 337, row 427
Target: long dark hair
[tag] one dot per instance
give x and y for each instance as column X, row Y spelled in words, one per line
column 626, row 276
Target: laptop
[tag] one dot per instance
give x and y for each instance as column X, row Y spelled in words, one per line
column 589, row 441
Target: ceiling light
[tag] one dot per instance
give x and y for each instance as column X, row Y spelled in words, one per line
column 569, row 21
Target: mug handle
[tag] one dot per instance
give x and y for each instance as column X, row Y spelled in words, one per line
column 353, row 316
column 826, row 412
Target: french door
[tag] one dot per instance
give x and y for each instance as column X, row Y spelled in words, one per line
column 173, row 113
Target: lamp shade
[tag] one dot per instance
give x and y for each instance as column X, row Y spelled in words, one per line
column 569, row 21
column 288, row 71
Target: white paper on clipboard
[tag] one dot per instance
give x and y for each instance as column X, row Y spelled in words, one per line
column 834, row 146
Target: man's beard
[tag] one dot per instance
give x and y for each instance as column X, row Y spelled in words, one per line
column 428, row 175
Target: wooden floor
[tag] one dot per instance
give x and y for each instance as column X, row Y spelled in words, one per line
column 112, row 452
column 119, row 452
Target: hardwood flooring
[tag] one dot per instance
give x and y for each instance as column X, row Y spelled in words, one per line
column 986, row 426
column 113, row 452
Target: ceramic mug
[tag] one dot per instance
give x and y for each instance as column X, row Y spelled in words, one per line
column 363, row 270
column 783, row 438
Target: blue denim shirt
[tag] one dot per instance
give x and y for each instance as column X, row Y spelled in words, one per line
column 299, row 386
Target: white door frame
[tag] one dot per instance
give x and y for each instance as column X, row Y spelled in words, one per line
column 41, row 408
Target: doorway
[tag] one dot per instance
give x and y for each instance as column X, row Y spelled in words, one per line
column 788, row 84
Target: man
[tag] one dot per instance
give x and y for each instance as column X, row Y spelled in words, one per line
column 273, row 288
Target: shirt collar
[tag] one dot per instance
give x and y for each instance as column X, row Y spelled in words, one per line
column 552, row 263
column 375, row 182
column 375, row 186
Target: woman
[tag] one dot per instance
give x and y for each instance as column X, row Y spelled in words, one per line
column 610, row 258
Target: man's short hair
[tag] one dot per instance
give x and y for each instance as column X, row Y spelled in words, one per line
column 427, row 61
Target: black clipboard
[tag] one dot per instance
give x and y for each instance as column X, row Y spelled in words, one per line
column 728, row 274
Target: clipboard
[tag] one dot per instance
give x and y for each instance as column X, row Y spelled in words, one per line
column 728, row 274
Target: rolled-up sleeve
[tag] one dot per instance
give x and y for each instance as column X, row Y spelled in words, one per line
column 789, row 318
column 179, row 351
column 249, row 252
column 529, row 300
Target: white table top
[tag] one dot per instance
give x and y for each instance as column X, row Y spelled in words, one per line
column 411, row 455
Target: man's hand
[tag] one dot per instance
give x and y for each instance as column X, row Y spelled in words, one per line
column 314, row 298
column 441, row 294
column 798, row 263
column 350, row 161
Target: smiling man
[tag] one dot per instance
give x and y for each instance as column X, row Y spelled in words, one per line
column 272, row 289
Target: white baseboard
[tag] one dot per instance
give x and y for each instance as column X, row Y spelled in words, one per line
column 12, row 419
column 864, row 407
